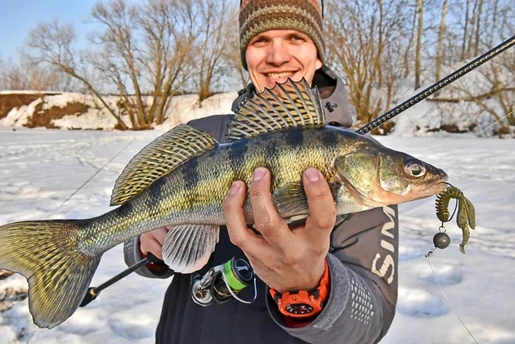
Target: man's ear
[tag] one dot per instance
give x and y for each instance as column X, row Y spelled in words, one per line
column 318, row 64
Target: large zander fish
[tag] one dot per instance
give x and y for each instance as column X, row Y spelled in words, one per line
column 181, row 179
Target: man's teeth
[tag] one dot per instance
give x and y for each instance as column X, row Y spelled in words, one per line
column 278, row 75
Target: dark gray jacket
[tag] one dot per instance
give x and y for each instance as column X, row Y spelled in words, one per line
column 362, row 263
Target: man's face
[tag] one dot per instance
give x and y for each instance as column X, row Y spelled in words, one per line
column 276, row 55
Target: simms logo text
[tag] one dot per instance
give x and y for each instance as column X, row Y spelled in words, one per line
column 387, row 263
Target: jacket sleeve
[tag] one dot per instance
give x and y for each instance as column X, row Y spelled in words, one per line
column 363, row 277
column 132, row 255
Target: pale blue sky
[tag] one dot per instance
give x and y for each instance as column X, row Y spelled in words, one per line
column 18, row 17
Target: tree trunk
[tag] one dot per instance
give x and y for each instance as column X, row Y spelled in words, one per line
column 465, row 32
column 439, row 50
column 472, row 34
column 407, row 67
column 478, row 27
column 418, row 52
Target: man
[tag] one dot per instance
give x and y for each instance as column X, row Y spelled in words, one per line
column 348, row 265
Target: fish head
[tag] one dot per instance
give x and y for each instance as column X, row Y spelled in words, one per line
column 378, row 176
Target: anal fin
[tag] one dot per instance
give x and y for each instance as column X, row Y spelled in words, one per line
column 187, row 248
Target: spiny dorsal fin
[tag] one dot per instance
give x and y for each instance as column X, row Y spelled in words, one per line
column 158, row 158
column 288, row 105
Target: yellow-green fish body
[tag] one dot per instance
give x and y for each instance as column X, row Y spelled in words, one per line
column 182, row 178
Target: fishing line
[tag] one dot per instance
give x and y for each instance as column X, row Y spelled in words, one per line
column 494, row 123
column 93, row 176
column 449, row 301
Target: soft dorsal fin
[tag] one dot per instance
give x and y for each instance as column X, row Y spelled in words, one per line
column 288, row 105
column 158, row 158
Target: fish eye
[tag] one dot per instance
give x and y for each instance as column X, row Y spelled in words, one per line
column 416, row 170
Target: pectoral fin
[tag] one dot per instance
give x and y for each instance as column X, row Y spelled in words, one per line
column 187, row 248
column 291, row 200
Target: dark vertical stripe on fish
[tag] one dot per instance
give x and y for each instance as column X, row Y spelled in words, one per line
column 294, row 138
column 329, row 138
column 156, row 192
column 236, row 155
column 190, row 175
column 272, row 151
column 125, row 209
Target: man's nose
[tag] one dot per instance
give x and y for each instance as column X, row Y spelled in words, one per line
column 278, row 53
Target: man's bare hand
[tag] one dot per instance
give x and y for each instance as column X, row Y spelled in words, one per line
column 284, row 259
column 153, row 241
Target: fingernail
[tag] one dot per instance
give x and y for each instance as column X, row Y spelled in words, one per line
column 312, row 174
column 259, row 173
column 234, row 188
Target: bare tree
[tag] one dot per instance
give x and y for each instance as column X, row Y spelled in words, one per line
column 54, row 44
column 26, row 75
column 145, row 50
column 492, row 89
column 3, row 81
column 142, row 50
column 363, row 37
column 418, row 49
column 441, row 34
column 231, row 53
column 406, row 57
column 464, row 51
column 211, row 43
column 478, row 26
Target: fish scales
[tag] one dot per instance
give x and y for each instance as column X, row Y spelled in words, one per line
column 195, row 192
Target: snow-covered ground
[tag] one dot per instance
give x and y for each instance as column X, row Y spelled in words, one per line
column 40, row 169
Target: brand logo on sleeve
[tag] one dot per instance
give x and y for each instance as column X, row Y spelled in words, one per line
column 384, row 267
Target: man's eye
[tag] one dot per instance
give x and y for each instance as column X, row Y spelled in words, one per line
column 258, row 41
column 297, row 39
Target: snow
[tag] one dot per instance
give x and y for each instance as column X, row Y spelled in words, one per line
column 70, row 174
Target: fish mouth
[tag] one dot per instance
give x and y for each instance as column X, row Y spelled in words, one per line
column 441, row 187
column 436, row 188
column 440, row 182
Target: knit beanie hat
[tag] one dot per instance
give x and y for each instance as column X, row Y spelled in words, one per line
column 257, row 16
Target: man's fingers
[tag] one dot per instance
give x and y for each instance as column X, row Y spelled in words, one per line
column 156, row 248
column 237, row 229
column 153, row 242
column 160, row 234
column 266, row 219
column 322, row 210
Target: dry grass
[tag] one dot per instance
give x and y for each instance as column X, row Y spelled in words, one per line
column 40, row 117
column 11, row 101
column 43, row 118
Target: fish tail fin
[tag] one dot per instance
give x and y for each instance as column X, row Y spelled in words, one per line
column 48, row 254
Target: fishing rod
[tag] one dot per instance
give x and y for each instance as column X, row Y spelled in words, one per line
column 218, row 285
column 438, row 85
column 93, row 292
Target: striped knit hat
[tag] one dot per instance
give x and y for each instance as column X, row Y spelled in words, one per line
column 257, row 16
